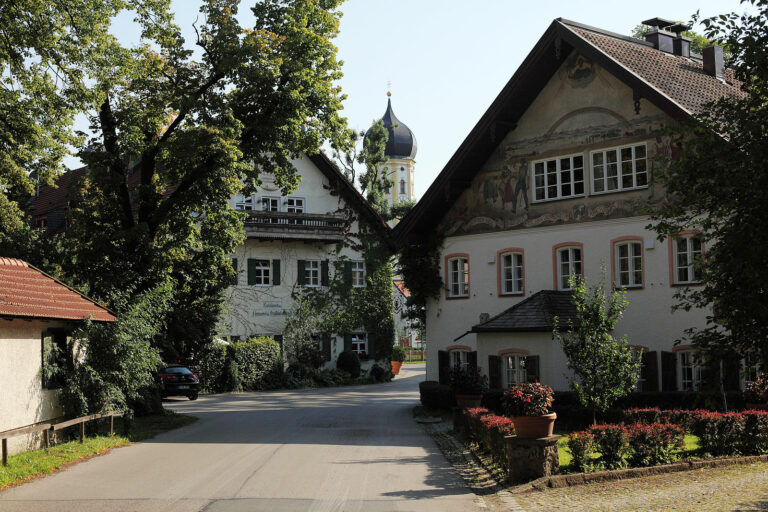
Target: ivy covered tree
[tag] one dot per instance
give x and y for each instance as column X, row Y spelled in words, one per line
column 605, row 367
column 719, row 186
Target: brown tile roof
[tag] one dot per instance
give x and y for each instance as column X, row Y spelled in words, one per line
column 401, row 286
column 30, row 293
column 682, row 80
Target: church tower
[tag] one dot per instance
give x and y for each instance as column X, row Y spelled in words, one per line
column 400, row 152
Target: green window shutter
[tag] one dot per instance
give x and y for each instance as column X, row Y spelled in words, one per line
column 347, row 342
column 251, row 271
column 276, row 272
column 472, row 359
column 443, row 364
column 494, row 372
column 650, row 372
column 532, row 368
column 327, row 347
column 371, row 344
column 348, row 273
column 324, row 273
column 668, row 371
column 301, row 277
column 234, row 264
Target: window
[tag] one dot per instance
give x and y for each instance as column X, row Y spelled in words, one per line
column 360, row 343
column 516, row 373
column 617, row 169
column 270, row 204
column 511, row 273
column 568, row 263
column 751, row 368
column 688, row 255
column 628, row 263
column 458, row 358
column 244, row 203
column 690, row 370
column 294, row 205
column 558, row 178
column 358, row 274
column 458, row 276
column 402, row 186
column 259, row 272
column 312, row 273
column 57, row 358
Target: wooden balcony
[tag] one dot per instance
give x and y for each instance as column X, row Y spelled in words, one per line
column 295, row 226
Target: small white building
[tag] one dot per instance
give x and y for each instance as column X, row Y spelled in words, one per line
column 553, row 181
column 37, row 313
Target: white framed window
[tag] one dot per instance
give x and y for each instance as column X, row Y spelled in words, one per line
column 620, row 168
column 688, row 256
column 270, row 204
column 312, row 273
column 458, row 358
column 514, row 369
column 358, row 274
column 629, row 264
column 261, row 272
column 568, row 264
column 360, row 343
column 458, row 277
column 690, row 370
column 294, row 205
column 511, row 273
column 244, row 203
column 558, row 178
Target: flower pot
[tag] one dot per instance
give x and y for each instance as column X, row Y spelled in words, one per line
column 396, row 365
column 756, row 407
column 468, row 401
column 534, row 427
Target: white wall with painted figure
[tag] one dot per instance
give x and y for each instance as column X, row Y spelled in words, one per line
column 24, row 399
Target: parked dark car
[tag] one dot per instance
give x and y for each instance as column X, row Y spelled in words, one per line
column 178, row 381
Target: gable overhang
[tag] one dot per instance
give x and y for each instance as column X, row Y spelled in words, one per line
column 543, row 61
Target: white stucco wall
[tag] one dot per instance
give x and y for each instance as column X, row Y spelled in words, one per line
column 23, row 400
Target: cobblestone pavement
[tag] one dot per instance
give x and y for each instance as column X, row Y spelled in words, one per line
column 732, row 489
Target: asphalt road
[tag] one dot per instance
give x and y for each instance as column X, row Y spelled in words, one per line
column 334, row 449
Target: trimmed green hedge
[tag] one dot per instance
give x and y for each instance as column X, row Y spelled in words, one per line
column 259, row 363
column 434, row 395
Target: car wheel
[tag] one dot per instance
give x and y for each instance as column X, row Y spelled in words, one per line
column 192, row 396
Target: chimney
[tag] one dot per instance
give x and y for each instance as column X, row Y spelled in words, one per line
column 658, row 37
column 681, row 45
column 714, row 63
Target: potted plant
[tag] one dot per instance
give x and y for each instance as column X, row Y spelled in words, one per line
column 398, row 356
column 756, row 393
column 528, row 406
column 468, row 385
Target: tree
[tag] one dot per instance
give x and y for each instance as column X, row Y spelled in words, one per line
column 719, row 188
column 605, row 367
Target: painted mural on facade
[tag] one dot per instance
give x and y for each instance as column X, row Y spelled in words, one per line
column 572, row 116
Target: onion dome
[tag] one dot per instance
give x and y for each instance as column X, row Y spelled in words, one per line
column 402, row 141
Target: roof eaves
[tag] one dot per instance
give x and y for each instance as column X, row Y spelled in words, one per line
column 77, row 292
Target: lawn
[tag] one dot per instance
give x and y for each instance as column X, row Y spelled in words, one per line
column 32, row 464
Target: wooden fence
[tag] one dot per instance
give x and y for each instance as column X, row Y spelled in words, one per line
column 51, row 426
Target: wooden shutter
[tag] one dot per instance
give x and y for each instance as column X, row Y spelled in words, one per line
column 443, row 365
column 301, row 278
column 348, row 273
column 371, row 344
column 327, row 346
column 472, row 359
column 276, row 272
column 347, row 342
column 234, row 264
column 532, row 368
column 650, row 372
column 494, row 372
column 668, row 371
column 324, row 273
column 251, row 271
column 732, row 371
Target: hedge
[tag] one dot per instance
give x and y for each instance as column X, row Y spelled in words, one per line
column 434, row 395
column 259, row 363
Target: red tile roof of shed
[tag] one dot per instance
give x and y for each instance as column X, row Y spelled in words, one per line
column 30, row 293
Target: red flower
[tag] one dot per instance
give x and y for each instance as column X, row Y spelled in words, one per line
column 527, row 399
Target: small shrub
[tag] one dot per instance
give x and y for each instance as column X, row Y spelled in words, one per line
column 434, row 395
column 755, row 437
column 613, row 443
column 398, row 354
column 210, row 368
column 582, row 447
column 645, row 416
column 476, row 412
column 259, row 363
column 655, row 443
column 719, row 433
column 380, row 374
column 467, row 380
column 530, row 399
column 757, row 390
column 350, row 363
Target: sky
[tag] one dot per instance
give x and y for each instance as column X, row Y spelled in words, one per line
column 446, row 60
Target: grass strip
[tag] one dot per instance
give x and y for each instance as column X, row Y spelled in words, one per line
column 33, row 464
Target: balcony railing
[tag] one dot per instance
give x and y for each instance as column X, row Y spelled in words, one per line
column 295, row 226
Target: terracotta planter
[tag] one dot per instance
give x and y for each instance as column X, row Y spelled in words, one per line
column 534, row 427
column 396, row 365
column 468, row 401
column 756, row 407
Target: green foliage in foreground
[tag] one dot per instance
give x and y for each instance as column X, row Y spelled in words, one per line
column 32, row 464
column 688, row 452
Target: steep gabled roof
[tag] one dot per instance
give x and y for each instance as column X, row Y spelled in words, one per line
column 677, row 85
column 26, row 292
column 534, row 314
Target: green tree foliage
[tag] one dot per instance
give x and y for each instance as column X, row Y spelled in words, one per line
column 605, row 367
column 719, row 185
